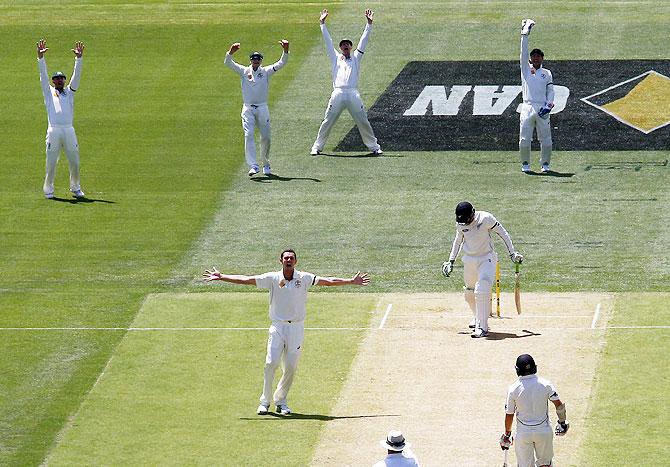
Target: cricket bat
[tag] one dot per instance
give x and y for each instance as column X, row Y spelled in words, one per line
column 517, row 289
column 498, row 290
column 505, row 461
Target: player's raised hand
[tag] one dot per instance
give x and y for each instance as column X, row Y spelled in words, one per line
column 369, row 14
column 41, row 48
column 234, row 48
column 78, row 50
column 361, row 279
column 212, row 275
column 284, row 44
column 324, row 15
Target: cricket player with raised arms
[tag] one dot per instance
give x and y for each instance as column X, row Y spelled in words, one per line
column 255, row 81
column 59, row 102
column 528, row 399
column 537, row 89
column 346, row 69
column 288, row 308
column 473, row 236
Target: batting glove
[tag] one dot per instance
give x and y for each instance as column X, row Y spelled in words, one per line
column 526, row 26
column 544, row 112
column 506, row 440
column 447, row 267
column 516, row 257
column 561, row 428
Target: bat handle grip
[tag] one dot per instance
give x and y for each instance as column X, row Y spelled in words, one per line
column 516, row 268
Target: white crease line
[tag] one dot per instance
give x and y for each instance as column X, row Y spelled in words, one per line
column 524, row 316
column 386, row 315
column 595, row 316
column 637, row 327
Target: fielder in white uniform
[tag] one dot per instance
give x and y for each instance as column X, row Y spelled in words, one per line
column 473, row 234
column 59, row 102
column 255, row 81
column 527, row 398
column 288, row 298
column 398, row 452
column 537, row 89
column 346, row 69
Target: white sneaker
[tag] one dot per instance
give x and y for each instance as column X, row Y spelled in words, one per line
column 254, row 170
column 378, row 152
column 49, row 195
column 267, row 170
column 525, row 167
column 479, row 332
column 283, row 409
column 78, row 194
column 315, row 152
column 262, row 409
column 545, row 168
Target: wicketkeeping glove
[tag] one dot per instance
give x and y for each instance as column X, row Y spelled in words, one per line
column 561, row 428
column 544, row 112
column 516, row 257
column 526, row 26
column 447, row 267
column 506, row 441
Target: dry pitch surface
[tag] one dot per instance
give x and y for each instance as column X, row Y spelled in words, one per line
column 418, row 370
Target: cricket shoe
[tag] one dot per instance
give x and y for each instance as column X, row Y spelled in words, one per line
column 378, row 152
column 254, row 170
column 545, row 168
column 79, row 194
column 472, row 324
column 267, row 170
column 315, row 152
column 49, row 195
column 283, row 409
column 479, row 332
column 262, row 409
column 525, row 167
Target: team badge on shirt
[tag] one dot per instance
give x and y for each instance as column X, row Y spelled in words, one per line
column 297, row 283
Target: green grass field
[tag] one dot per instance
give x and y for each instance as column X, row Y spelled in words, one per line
column 157, row 116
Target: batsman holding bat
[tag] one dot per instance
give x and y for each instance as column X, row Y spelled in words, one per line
column 528, row 398
column 473, row 234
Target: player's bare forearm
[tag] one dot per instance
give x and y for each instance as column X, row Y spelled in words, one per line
column 509, row 418
column 358, row 279
column 214, row 275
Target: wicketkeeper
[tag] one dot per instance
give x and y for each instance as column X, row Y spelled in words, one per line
column 473, row 234
column 527, row 398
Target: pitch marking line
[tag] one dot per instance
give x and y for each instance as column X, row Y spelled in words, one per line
column 386, row 315
column 595, row 316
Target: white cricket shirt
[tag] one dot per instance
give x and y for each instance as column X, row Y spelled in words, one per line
column 60, row 105
column 528, row 397
column 288, row 299
column 255, row 84
column 398, row 460
column 346, row 70
column 538, row 87
column 475, row 238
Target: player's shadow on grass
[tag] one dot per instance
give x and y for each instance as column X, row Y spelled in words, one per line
column 309, row 416
column 277, row 178
column 498, row 336
column 80, row 200
column 551, row 173
column 360, row 156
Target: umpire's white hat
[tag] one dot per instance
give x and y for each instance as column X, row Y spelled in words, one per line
column 395, row 441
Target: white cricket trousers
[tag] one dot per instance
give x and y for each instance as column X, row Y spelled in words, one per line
column 61, row 137
column 479, row 273
column 351, row 100
column 284, row 346
column 530, row 120
column 534, row 446
column 252, row 116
